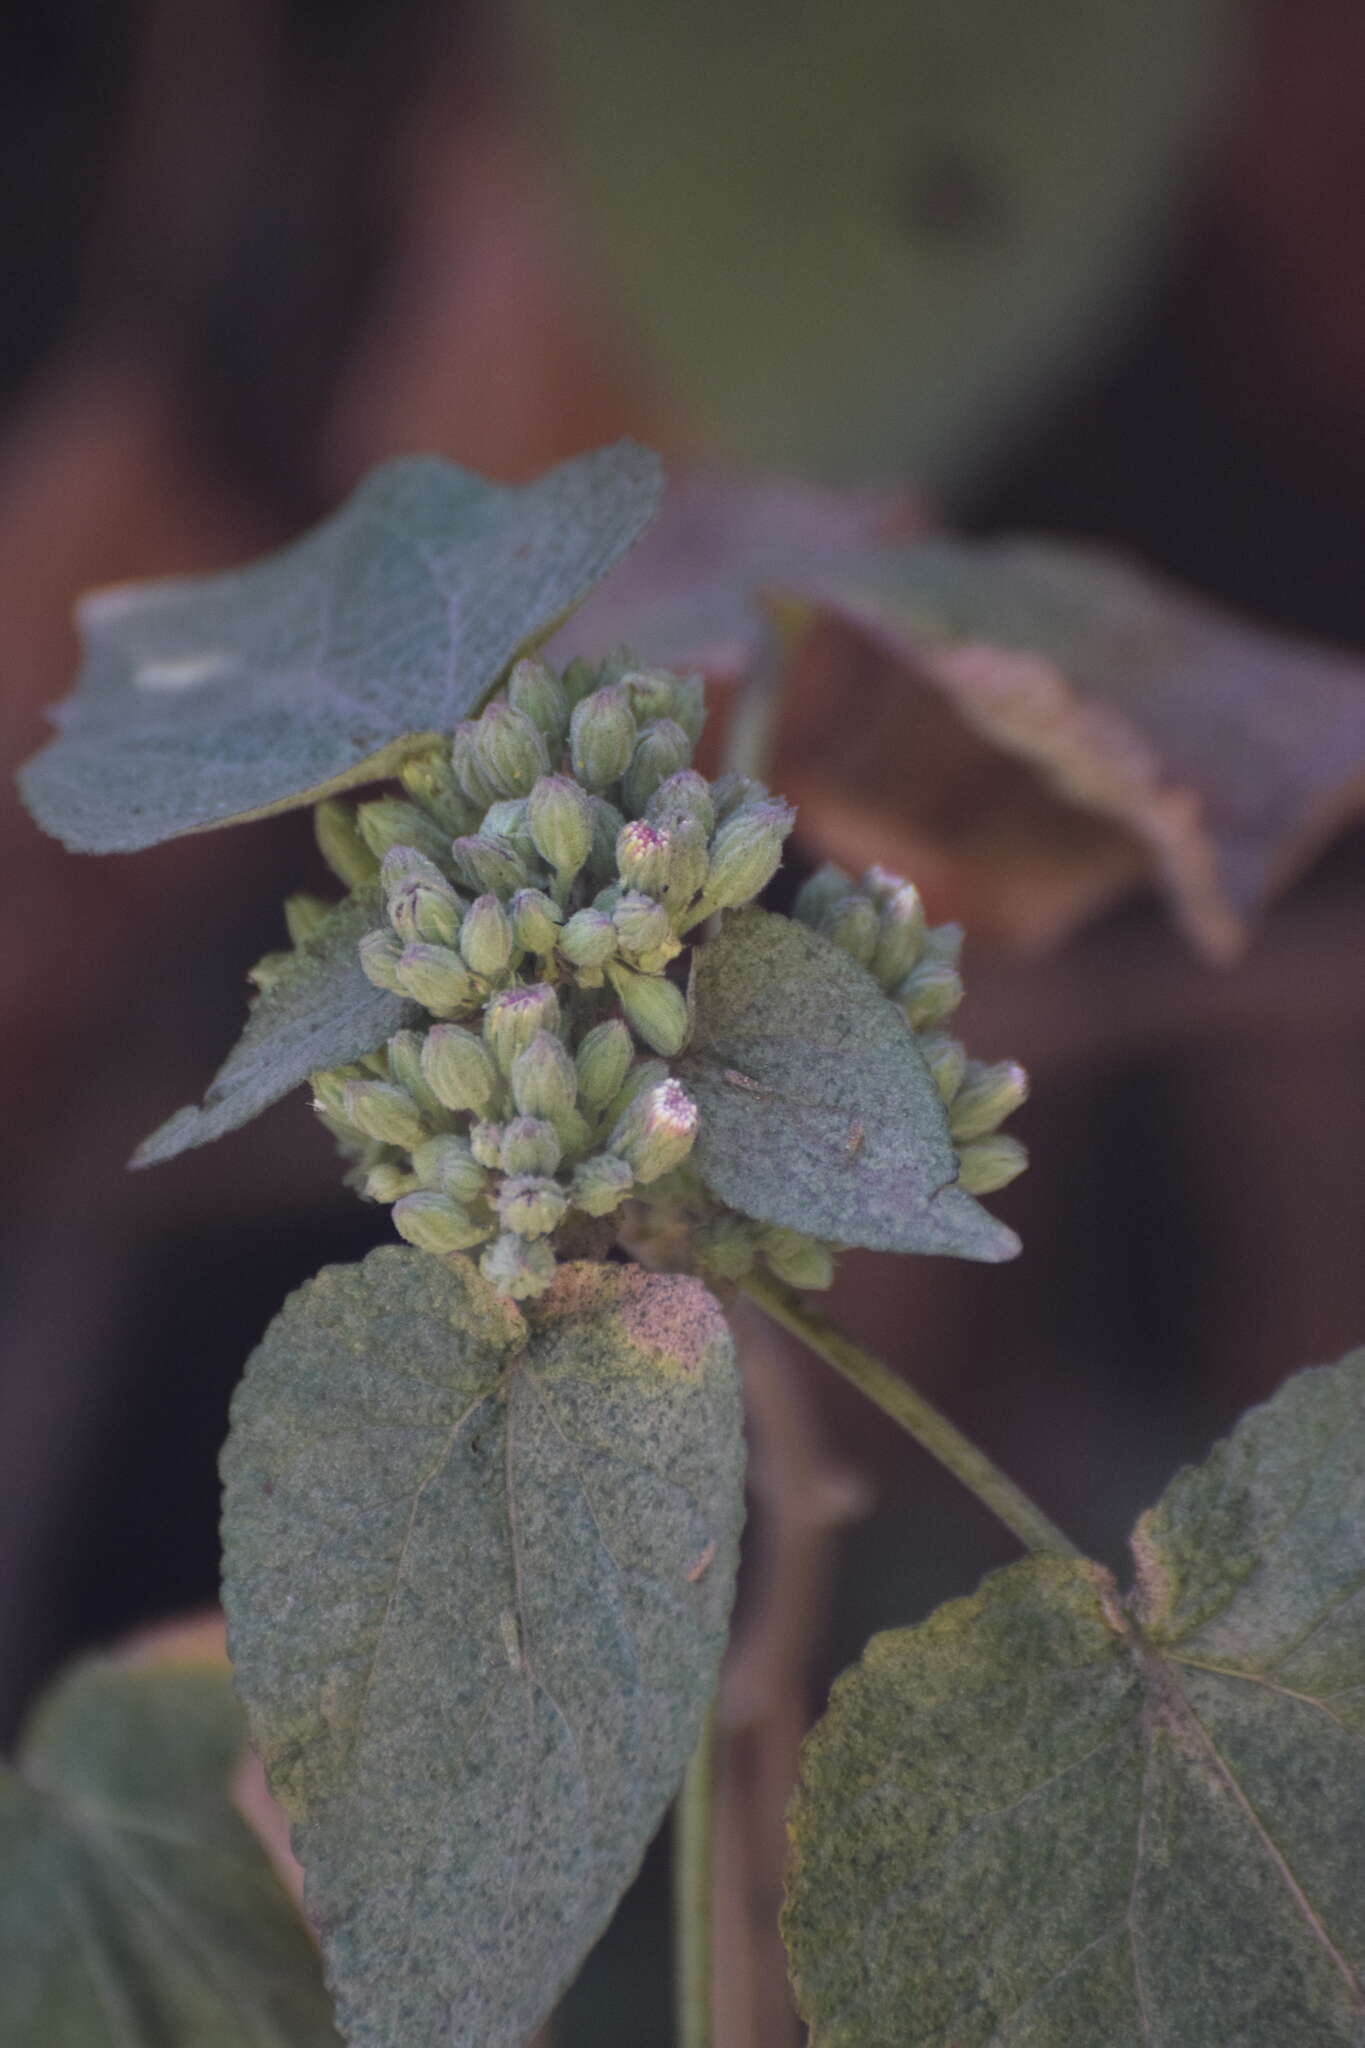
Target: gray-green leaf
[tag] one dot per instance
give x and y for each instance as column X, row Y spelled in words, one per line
column 211, row 699
column 817, row 1109
column 137, row 1909
column 478, row 1570
column 1048, row 1819
column 320, row 1011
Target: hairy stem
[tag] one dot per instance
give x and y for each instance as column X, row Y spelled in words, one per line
column 692, row 1853
column 930, row 1428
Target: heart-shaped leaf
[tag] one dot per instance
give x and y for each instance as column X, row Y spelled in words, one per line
column 1049, row 1819
column 136, row 1906
column 211, row 699
column 478, row 1568
column 817, row 1109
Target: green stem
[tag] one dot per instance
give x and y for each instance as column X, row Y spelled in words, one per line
column 931, row 1429
column 692, row 1854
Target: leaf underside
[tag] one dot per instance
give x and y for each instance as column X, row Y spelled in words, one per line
column 211, row 699
column 817, row 1109
column 137, row 1909
column 1044, row 1819
column 478, row 1571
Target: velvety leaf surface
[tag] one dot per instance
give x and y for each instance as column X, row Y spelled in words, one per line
column 817, row 1109
column 210, row 699
column 320, row 1012
column 137, row 1909
column 1027, row 1824
column 478, row 1570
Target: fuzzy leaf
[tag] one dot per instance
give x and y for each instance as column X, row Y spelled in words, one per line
column 136, row 1906
column 478, row 1570
column 1025, row 1824
column 321, row 1012
column 817, row 1109
column 211, row 699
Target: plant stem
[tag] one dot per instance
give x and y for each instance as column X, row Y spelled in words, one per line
column 692, row 1855
column 931, row 1429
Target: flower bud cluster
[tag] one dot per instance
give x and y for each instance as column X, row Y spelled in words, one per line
column 539, row 880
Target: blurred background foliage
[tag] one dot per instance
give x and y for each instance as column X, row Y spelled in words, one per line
column 1076, row 268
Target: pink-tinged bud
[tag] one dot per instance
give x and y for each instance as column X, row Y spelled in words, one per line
column 642, row 856
column 657, row 1131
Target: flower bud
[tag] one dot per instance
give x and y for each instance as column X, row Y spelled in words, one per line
column 603, row 1061
column 380, row 953
column 560, row 820
column 818, row 895
column 577, row 678
column 489, row 865
column 536, row 919
column 486, row 937
column 421, row 902
column 641, row 924
column 730, row 792
column 746, row 852
column 387, row 1181
column 726, row 1247
column 648, row 1074
column 404, row 864
column 529, row 1145
column 946, row 1059
column 531, row 1204
column 403, row 1058
column 988, row 1095
column 329, row 1089
column 509, row 819
column 661, row 748
column 650, row 691
column 438, row 979
column 601, row 737
column 797, row 1260
column 642, row 856
column 930, row 992
column 342, row 843
column 689, row 705
column 588, row 940
column 303, row 913
column 387, row 821
column 606, row 828
column 655, row 1010
column 434, row 1223
column 689, row 865
column 429, row 779
column 383, row 1112
column 601, row 1184
column 485, row 1142
column 534, row 689
column 448, row 1165
column 852, row 926
column 544, row 1079
column 512, row 1019
column 268, row 970
column 901, row 934
column 943, row 942
column 510, row 750
column 684, row 794
column 469, row 775
column 988, row 1164
column 518, row 1266
column 457, row 1068
column 656, row 1132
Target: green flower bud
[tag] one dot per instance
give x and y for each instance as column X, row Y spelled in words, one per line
column 853, row 926
column 606, row 829
column 421, row 902
column 930, row 992
column 588, row 940
column 689, row 705
column 387, row 1181
column 689, row 865
column 641, row 924
column 438, row 979
column 730, row 792
column 943, row 942
column 429, row 779
column 464, row 757
column 512, row 1019
column 329, row 1089
column 648, row 1074
column 818, row 896
column 448, row 1165
column 457, row 1068
column 518, row 1266
column 404, row 864
column 560, row 818
column 529, row 1145
column 509, row 818
column 746, row 852
column 434, row 1223
column 643, row 854
column 683, row 795
column 989, row 1164
column 536, row 919
column 650, row 691
column 485, row 1142
column 656, row 1132
column 384, row 1112
column 602, row 737
column 387, row 821
column 603, row 1061
column 577, row 678
column 534, row 689
column 726, row 1247
column 342, row 844
column 303, row 913
column 404, row 1063
column 799, row 1261
column 988, row 1095
column 486, row 937
column 601, row 1184
column 488, row 865
column 662, row 748
column 946, row 1059
column 901, row 934
column 544, row 1078
column 531, row 1204
column 655, row 1010
column 510, row 750
column 380, row 953
column 268, row 970
column 617, row 666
